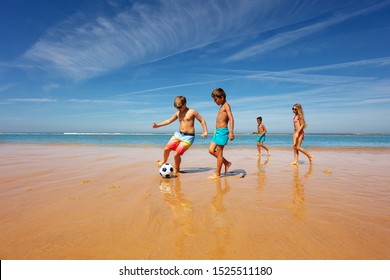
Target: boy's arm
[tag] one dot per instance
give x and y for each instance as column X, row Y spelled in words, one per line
column 202, row 122
column 231, row 121
column 166, row 122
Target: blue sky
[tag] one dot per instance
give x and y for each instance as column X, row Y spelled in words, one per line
column 116, row 66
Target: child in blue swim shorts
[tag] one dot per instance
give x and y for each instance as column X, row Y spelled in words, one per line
column 221, row 136
column 261, row 131
column 222, row 133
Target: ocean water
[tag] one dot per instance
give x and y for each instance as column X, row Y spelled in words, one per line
column 241, row 140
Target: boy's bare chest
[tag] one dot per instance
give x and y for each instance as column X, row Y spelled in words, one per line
column 260, row 128
column 185, row 117
column 222, row 113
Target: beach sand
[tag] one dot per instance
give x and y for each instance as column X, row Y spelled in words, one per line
column 109, row 202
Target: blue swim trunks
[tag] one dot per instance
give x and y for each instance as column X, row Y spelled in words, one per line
column 221, row 136
column 260, row 139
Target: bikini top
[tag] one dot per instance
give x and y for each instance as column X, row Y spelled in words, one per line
column 295, row 119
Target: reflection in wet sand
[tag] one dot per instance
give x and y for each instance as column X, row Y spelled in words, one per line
column 261, row 177
column 182, row 211
column 68, row 202
column 299, row 192
column 220, row 219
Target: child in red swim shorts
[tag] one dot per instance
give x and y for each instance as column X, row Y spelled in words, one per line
column 182, row 140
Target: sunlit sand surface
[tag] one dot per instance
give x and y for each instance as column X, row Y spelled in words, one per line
column 100, row 202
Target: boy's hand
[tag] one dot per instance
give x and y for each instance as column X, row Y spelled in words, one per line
column 231, row 136
column 155, row 125
column 204, row 134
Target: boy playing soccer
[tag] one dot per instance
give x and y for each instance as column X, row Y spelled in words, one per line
column 182, row 140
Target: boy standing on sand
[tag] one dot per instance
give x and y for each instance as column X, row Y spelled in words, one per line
column 261, row 131
column 222, row 134
column 182, row 140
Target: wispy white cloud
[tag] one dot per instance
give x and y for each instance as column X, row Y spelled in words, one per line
column 33, row 100
column 103, row 101
column 378, row 62
column 82, row 49
column 286, row 38
column 178, row 86
column 85, row 47
column 305, row 75
column 291, row 77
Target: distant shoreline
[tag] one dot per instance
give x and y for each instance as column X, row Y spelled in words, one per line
column 169, row 133
column 370, row 149
column 273, row 140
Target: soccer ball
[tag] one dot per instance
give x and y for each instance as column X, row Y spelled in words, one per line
column 166, row 170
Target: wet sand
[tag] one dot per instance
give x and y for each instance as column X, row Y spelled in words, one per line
column 98, row 202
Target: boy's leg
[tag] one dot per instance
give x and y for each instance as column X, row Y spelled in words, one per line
column 212, row 149
column 220, row 159
column 177, row 158
column 217, row 151
column 179, row 151
column 213, row 152
column 226, row 163
column 268, row 151
column 165, row 157
column 170, row 146
column 264, row 147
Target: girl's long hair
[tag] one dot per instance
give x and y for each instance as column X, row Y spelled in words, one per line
column 300, row 114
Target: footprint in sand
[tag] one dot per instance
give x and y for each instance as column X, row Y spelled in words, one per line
column 113, row 187
column 73, row 197
column 327, row 171
column 86, row 181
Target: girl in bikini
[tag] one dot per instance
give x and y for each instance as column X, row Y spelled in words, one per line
column 299, row 134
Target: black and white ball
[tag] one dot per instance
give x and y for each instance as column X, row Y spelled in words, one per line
column 166, row 170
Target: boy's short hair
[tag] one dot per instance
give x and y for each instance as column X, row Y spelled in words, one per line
column 218, row 92
column 260, row 118
column 179, row 100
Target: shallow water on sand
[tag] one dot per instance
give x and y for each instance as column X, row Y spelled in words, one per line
column 90, row 202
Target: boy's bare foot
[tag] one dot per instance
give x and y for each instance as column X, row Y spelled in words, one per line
column 176, row 171
column 294, row 163
column 311, row 159
column 269, row 152
column 215, row 176
column 227, row 166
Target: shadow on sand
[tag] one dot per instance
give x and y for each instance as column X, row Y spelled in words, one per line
column 236, row 173
column 196, row 170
